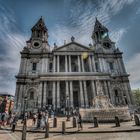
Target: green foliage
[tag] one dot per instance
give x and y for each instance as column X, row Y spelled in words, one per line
column 136, row 94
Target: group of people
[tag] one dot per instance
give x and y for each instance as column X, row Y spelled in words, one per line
column 39, row 119
column 9, row 119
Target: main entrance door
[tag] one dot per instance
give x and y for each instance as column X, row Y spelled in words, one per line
column 75, row 99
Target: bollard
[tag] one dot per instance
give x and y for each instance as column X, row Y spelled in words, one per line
column 95, row 122
column 74, row 122
column 55, row 122
column 63, row 127
column 47, row 131
column 117, row 121
column 137, row 121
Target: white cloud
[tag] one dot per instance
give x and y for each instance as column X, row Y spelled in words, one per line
column 82, row 17
column 11, row 44
column 133, row 67
column 117, row 34
column 82, row 21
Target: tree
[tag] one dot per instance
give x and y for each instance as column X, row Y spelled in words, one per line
column 136, row 94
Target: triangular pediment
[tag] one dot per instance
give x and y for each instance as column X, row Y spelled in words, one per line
column 73, row 46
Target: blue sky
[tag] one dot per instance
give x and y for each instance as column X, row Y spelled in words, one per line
column 63, row 19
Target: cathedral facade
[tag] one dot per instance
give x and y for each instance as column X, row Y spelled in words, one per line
column 70, row 75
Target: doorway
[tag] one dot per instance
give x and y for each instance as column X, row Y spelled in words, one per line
column 75, row 99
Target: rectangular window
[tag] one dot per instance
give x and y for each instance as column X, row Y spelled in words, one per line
column 111, row 66
column 34, row 66
column 50, row 67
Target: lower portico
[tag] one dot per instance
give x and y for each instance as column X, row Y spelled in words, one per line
column 78, row 91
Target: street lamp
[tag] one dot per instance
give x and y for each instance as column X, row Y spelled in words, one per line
column 25, row 120
column 68, row 109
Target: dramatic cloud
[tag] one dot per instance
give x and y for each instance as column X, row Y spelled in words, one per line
column 133, row 67
column 117, row 35
column 81, row 19
column 11, row 44
column 76, row 18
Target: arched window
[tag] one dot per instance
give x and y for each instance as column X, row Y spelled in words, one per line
column 31, row 95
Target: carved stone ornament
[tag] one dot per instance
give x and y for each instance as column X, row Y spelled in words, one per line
column 35, row 60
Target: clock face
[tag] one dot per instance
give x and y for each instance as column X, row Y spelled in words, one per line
column 36, row 44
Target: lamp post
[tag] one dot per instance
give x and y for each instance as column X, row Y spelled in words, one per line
column 68, row 109
column 25, row 120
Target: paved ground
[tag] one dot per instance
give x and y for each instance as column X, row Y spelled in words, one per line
column 87, row 127
column 104, row 132
column 4, row 135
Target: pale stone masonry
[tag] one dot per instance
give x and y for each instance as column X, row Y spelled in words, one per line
column 68, row 75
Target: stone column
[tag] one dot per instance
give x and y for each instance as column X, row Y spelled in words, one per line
column 79, row 64
column 20, row 98
column 44, row 97
column 85, row 93
column 16, row 96
column 81, row 94
column 69, row 63
column 120, row 67
column 93, row 89
column 66, row 64
column 71, row 94
column 40, row 95
column 100, row 65
column 93, row 64
column 130, row 94
column 83, row 69
column 67, row 89
column 24, row 67
column 110, row 93
column 54, row 63
column 23, row 94
column 106, row 91
column 58, row 63
column 42, row 65
column 90, row 64
column 54, row 94
column 58, row 94
column 105, row 65
column 126, row 93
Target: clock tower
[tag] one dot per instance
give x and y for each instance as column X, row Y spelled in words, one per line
column 39, row 37
column 100, row 36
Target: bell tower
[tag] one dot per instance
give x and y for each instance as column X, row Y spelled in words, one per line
column 39, row 30
column 100, row 32
column 100, row 36
column 39, row 37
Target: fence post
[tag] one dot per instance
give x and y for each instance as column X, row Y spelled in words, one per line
column 47, row 131
column 74, row 122
column 63, row 127
column 55, row 122
column 117, row 121
column 95, row 122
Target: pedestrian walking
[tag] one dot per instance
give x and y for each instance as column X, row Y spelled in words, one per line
column 34, row 119
column 39, row 120
column 14, row 124
column 80, row 122
column 45, row 119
